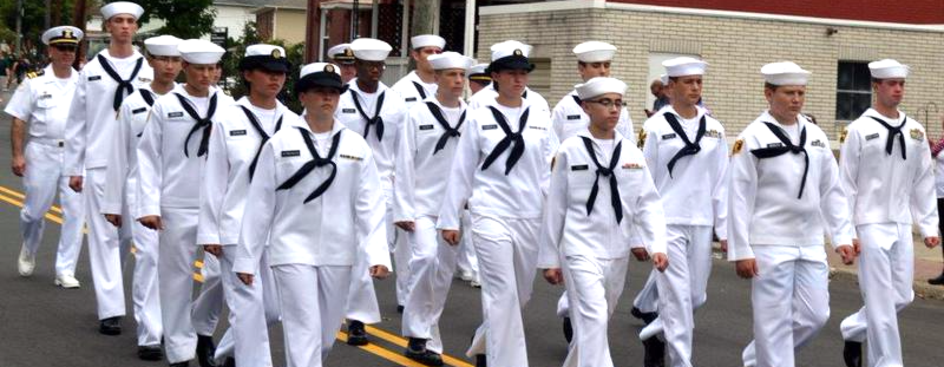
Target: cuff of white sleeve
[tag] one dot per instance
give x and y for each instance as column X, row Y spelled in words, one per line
column 208, row 239
column 147, row 211
column 111, row 207
column 244, row 265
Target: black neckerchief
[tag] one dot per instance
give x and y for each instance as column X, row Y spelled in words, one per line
column 576, row 99
column 376, row 120
column 148, row 97
column 690, row 148
column 315, row 162
column 205, row 123
column 124, row 86
column 450, row 131
column 605, row 172
column 786, row 147
column 265, row 137
column 419, row 88
column 892, row 132
column 510, row 137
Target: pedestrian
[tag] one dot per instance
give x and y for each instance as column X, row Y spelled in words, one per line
column 936, row 149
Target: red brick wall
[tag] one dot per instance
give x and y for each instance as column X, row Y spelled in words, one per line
column 910, row 11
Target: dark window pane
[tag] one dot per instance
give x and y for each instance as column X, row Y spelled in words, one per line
column 845, row 76
column 863, row 77
column 843, row 106
column 862, row 102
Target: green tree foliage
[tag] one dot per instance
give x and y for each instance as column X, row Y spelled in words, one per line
column 250, row 36
column 182, row 18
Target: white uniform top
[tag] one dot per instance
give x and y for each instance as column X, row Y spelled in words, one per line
column 393, row 112
column 92, row 115
column 121, row 175
column 234, row 144
column 882, row 187
column 518, row 194
column 409, row 89
column 167, row 176
column 568, row 228
column 43, row 101
column 696, row 193
column 333, row 229
column 763, row 205
column 569, row 119
column 488, row 94
column 420, row 183
column 939, row 175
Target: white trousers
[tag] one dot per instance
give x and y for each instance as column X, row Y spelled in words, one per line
column 362, row 302
column 400, row 245
column 178, row 250
column 312, row 301
column 594, row 286
column 208, row 306
column 105, row 249
column 432, row 265
column 647, row 300
column 790, row 299
column 145, row 291
column 252, row 309
column 886, row 274
column 467, row 262
column 507, row 249
column 42, row 180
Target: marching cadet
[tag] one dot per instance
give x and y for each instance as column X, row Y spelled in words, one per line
column 42, row 101
column 170, row 156
column 315, row 203
column 783, row 185
column 420, row 83
column 888, row 177
column 585, row 241
column 121, row 190
column 502, row 169
column 688, row 158
column 104, row 82
column 467, row 264
column 489, row 93
column 478, row 78
column 371, row 109
column 344, row 58
column 231, row 164
column 427, row 144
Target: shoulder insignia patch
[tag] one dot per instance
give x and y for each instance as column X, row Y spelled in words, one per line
column 641, row 138
column 843, row 135
column 738, row 146
column 917, row 134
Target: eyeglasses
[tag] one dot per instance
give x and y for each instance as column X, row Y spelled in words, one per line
column 608, row 103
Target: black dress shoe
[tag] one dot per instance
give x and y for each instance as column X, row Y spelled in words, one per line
column 655, row 352
column 150, row 352
column 646, row 317
column 480, row 360
column 852, row 354
column 110, row 326
column 230, row 362
column 568, row 329
column 416, row 350
column 400, row 309
column 206, row 351
column 937, row 281
column 356, row 334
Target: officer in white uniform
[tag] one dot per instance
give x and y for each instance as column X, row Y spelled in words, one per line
column 42, row 101
column 371, row 109
column 231, row 164
column 315, row 204
column 688, row 157
column 104, row 82
column 171, row 155
column 502, row 169
column 427, row 145
column 419, row 84
column 888, row 177
column 600, row 190
column 478, row 78
column 784, row 191
column 344, row 58
column 489, row 93
column 121, row 189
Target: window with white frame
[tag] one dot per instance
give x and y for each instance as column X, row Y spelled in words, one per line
column 853, row 90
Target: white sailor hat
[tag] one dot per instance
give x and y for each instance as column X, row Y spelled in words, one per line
column 319, row 74
column 63, row 35
column 450, row 60
column 267, row 57
column 664, row 78
column 888, row 69
column 684, row 66
column 341, row 54
column 510, row 55
column 200, row 52
column 370, row 49
column 594, row 51
column 122, row 7
column 785, row 73
column 162, row 46
column 427, row 40
column 599, row 86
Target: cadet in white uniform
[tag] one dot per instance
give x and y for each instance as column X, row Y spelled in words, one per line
column 502, row 169
column 489, row 93
column 427, row 145
column 467, row 264
column 171, row 155
column 783, row 186
column 888, row 177
column 419, row 84
column 688, row 157
column 315, row 204
column 42, row 101
column 121, row 191
column 344, row 58
column 371, row 109
column 104, row 82
column 600, row 191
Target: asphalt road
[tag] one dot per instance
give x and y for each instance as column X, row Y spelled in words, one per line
column 42, row 325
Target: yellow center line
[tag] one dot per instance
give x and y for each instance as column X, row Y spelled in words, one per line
column 16, row 194
column 396, row 340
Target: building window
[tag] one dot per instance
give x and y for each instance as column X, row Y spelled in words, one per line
column 854, row 90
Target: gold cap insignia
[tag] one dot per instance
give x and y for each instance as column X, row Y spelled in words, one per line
column 276, row 53
column 518, row 52
column 329, row 68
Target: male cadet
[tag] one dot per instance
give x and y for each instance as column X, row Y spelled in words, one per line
column 467, row 264
column 235, row 144
column 314, row 204
column 344, row 58
column 783, row 189
column 420, row 83
column 888, row 177
column 121, row 185
column 43, row 101
column 489, row 93
column 371, row 109
column 478, row 78
column 585, row 240
column 688, row 159
column 103, row 84
column 171, row 155
column 427, row 144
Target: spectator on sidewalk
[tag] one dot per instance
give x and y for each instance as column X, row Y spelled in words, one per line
column 936, row 148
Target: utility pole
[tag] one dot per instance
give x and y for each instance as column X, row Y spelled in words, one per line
column 78, row 20
column 313, row 31
column 19, row 27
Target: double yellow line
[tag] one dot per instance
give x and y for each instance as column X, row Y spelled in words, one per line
column 54, row 215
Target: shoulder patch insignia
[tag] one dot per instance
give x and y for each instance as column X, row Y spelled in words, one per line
column 917, row 134
column 738, row 146
column 641, row 138
column 843, row 135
